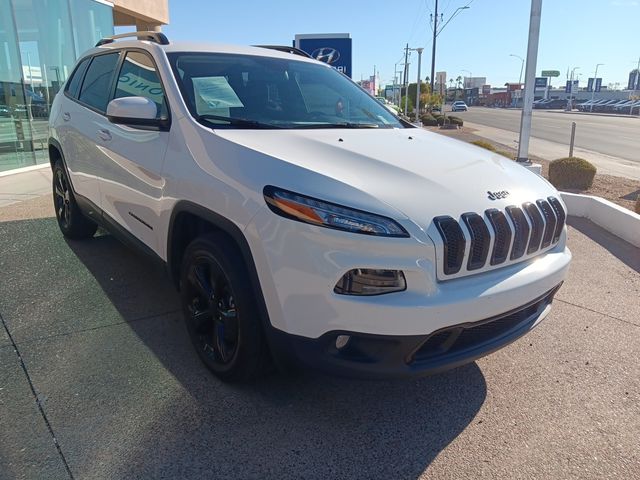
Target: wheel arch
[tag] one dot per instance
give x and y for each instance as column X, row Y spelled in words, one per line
column 189, row 220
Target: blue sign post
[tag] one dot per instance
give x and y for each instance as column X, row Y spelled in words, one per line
column 591, row 82
column 331, row 48
column 541, row 82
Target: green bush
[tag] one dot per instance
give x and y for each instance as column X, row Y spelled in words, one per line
column 428, row 120
column 571, row 172
column 441, row 119
column 455, row 120
column 638, row 204
column 484, row 144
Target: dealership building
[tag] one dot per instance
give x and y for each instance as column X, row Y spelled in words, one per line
column 40, row 41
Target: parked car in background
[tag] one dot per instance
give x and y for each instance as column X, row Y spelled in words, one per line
column 551, row 103
column 459, row 106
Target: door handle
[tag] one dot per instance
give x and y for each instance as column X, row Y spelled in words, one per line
column 66, row 116
column 104, row 134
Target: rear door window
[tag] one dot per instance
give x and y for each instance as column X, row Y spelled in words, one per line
column 73, row 86
column 95, row 90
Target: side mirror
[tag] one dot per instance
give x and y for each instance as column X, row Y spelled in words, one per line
column 134, row 111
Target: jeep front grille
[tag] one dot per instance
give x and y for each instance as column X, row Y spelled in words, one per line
column 500, row 236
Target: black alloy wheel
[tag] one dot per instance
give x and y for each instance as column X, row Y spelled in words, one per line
column 212, row 311
column 71, row 220
column 220, row 309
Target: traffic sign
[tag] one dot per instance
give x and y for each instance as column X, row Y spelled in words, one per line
column 550, row 73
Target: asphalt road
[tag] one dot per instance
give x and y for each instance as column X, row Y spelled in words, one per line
column 99, row 381
column 614, row 136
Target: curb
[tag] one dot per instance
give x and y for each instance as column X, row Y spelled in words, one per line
column 30, row 168
column 619, row 221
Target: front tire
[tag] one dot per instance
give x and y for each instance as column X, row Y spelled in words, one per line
column 72, row 222
column 220, row 309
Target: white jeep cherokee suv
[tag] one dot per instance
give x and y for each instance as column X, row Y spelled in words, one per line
column 298, row 217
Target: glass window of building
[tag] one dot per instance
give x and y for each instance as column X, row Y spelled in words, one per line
column 40, row 41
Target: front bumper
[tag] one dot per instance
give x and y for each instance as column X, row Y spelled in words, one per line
column 388, row 356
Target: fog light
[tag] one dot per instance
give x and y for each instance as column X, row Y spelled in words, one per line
column 342, row 341
column 365, row 281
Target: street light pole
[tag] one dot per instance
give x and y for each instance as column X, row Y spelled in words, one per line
column 405, row 80
column 520, row 77
column 436, row 33
column 529, row 82
column 419, row 50
column 570, row 102
column 593, row 86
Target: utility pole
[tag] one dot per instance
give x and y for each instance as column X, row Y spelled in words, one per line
column 406, row 79
column 529, row 82
column 433, row 48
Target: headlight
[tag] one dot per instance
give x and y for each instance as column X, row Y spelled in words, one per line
column 316, row 212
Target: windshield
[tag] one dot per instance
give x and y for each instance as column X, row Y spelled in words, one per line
column 245, row 91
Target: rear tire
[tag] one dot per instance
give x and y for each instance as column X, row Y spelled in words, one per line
column 220, row 309
column 72, row 222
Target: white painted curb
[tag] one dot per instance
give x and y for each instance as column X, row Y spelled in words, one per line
column 619, row 221
column 16, row 171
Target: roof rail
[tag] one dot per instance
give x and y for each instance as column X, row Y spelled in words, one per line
column 286, row 49
column 157, row 37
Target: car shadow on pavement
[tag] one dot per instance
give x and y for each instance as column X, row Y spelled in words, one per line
column 623, row 251
column 136, row 402
column 287, row 425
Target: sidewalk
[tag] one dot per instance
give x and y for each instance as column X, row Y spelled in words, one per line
column 24, row 185
column 549, row 150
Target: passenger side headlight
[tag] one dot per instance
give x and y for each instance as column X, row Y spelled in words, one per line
column 317, row 212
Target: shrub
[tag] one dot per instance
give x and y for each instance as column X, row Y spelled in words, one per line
column 484, row 144
column 428, row 120
column 638, row 204
column 571, row 172
column 455, row 120
column 441, row 119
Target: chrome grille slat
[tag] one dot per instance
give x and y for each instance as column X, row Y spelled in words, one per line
column 550, row 222
column 521, row 231
column 537, row 226
column 502, row 233
column 475, row 241
column 454, row 243
column 560, row 215
column 480, row 240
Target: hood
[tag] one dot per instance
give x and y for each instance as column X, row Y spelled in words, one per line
column 419, row 173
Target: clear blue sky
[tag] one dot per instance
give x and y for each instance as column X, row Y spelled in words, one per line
column 574, row 33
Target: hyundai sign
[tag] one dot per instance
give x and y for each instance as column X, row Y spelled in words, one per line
column 331, row 48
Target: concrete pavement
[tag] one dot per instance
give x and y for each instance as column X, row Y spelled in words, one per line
column 21, row 185
column 117, row 384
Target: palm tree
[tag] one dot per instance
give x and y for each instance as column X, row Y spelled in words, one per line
column 458, row 82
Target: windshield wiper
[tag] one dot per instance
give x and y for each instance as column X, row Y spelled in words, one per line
column 338, row 125
column 235, row 121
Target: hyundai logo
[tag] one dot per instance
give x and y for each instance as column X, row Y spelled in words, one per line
column 326, row 55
